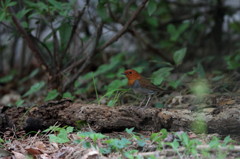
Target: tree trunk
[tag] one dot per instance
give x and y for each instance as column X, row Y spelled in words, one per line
column 223, row 119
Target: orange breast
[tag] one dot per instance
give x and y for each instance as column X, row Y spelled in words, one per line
column 131, row 81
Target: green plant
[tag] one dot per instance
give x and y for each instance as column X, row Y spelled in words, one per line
column 20, row 102
column 162, row 74
column 175, row 145
column 151, row 7
column 233, row 61
column 9, row 77
column 95, row 137
column 4, row 15
column 175, row 31
column 118, row 144
column 53, row 94
column 189, row 144
column 68, row 95
column 159, row 137
column 34, row 88
column 62, row 134
column 131, row 154
column 179, row 55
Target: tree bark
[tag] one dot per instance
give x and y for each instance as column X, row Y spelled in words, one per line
column 224, row 119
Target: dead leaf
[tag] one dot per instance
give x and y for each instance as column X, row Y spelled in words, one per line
column 192, row 135
column 40, row 145
column 18, row 155
column 33, row 151
column 4, row 153
column 226, row 102
column 91, row 154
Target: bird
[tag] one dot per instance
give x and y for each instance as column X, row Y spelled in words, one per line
column 141, row 85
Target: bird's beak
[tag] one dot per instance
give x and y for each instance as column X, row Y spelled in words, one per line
column 123, row 73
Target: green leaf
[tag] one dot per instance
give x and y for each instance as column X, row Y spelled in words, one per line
column 19, row 102
column 175, row 144
column 53, row 128
column 22, row 13
column 42, row 7
column 129, row 131
column 151, row 7
column 115, row 84
column 65, row 31
column 200, row 70
column 60, row 138
column 153, row 22
column 235, row 26
column 183, row 27
column 97, row 136
column 227, row 140
column 52, row 95
column 111, row 103
column 171, row 29
column 217, row 78
column 233, row 61
column 2, row 15
column 102, row 12
column 68, row 95
column 179, row 55
column 69, row 129
column 175, row 32
column 32, row 74
column 118, row 144
column 6, row 78
column 157, row 137
column 162, row 74
column 34, row 88
column 106, row 150
column 141, row 143
column 10, row 4
column 214, row 143
column 84, row 134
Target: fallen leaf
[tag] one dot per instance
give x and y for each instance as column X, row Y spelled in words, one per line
column 4, row 153
column 18, row 155
column 40, row 145
column 33, row 151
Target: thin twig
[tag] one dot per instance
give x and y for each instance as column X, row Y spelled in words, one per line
column 126, row 10
column 42, row 44
column 30, row 42
column 8, row 27
column 75, row 26
column 125, row 27
column 55, row 48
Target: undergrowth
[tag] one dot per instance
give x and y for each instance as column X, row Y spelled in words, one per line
column 135, row 145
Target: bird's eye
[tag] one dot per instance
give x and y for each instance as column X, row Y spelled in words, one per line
column 130, row 72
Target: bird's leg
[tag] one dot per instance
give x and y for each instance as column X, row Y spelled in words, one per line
column 149, row 98
column 143, row 101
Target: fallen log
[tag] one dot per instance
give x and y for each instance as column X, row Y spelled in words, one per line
column 224, row 120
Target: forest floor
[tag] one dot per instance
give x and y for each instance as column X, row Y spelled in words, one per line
column 83, row 141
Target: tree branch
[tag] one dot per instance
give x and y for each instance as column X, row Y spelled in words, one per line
column 125, row 27
column 30, row 42
column 89, row 53
column 75, row 26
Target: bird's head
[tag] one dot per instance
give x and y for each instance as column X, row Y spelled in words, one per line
column 132, row 75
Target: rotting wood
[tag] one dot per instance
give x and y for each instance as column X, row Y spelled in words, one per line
column 224, row 121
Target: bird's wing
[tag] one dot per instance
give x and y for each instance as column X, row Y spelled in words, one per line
column 148, row 85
